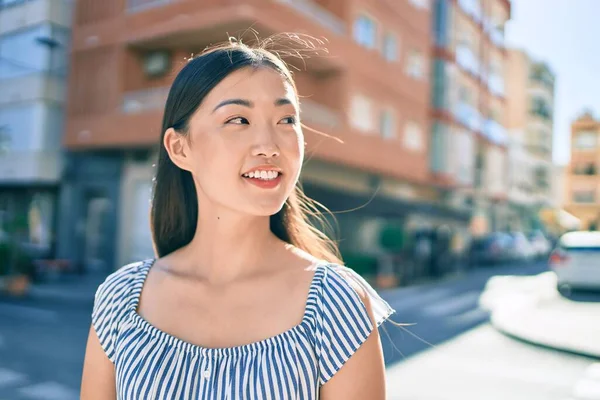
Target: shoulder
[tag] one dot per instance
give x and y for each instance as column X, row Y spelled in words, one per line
column 118, row 283
column 344, row 289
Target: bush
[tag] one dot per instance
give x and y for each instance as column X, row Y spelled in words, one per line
column 23, row 263
column 392, row 238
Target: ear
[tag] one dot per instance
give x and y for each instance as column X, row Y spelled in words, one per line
column 177, row 145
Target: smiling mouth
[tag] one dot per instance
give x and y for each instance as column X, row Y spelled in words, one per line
column 263, row 179
column 262, row 175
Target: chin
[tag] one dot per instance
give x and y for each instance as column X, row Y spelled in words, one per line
column 266, row 209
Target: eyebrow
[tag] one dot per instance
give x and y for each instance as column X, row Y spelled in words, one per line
column 247, row 103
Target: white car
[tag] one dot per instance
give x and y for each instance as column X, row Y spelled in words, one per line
column 576, row 260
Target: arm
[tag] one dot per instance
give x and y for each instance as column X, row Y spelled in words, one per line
column 98, row 381
column 363, row 375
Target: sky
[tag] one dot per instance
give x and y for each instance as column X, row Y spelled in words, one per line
column 565, row 34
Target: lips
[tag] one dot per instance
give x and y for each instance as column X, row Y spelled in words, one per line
column 266, row 177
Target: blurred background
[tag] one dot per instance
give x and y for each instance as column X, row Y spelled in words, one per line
column 470, row 148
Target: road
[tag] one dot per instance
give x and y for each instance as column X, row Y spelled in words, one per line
column 42, row 345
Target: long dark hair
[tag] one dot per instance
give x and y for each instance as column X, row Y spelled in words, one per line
column 174, row 211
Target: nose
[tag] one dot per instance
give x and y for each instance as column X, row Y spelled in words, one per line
column 265, row 145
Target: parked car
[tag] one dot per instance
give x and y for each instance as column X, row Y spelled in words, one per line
column 540, row 244
column 521, row 248
column 491, row 249
column 576, row 260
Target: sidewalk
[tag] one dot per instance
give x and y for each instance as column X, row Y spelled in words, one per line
column 531, row 309
column 69, row 289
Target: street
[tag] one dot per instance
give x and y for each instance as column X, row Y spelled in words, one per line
column 42, row 345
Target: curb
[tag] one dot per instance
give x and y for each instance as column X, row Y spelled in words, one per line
column 531, row 310
column 541, row 344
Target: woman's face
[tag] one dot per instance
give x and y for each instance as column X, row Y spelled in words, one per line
column 245, row 145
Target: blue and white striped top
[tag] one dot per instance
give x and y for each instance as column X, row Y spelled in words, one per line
column 151, row 364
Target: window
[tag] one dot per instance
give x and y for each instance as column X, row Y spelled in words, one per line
column 365, row 32
column 584, row 196
column 361, row 114
column 440, row 84
column 387, row 126
column 586, row 140
column 539, row 106
column 390, row 47
column 415, row 64
column 413, row 136
column 438, row 156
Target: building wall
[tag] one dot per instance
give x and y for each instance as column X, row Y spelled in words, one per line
column 517, row 73
column 582, row 188
column 110, row 42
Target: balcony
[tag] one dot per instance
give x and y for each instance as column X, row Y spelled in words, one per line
column 542, row 112
column 496, row 84
column 495, row 132
column 472, row 8
column 468, row 116
column 146, row 100
column 497, row 37
column 314, row 11
column 312, row 112
column 467, row 60
column 135, row 6
column 154, row 99
column 35, row 166
column 30, row 87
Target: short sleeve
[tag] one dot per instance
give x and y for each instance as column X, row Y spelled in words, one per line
column 343, row 322
column 110, row 306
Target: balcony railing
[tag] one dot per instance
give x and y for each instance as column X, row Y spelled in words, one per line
column 496, row 84
column 495, row 132
column 33, row 86
column 497, row 37
column 312, row 112
column 467, row 60
column 468, row 116
column 145, row 100
column 39, row 166
column 472, row 8
column 133, row 6
column 314, row 11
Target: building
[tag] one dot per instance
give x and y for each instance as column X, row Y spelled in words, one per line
column 530, row 116
column 522, row 185
column 372, row 92
column 469, row 140
column 34, row 46
column 582, row 180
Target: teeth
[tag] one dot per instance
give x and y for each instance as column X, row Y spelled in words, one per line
column 264, row 175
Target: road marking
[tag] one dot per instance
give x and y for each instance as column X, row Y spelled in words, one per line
column 453, row 305
column 29, row 313
column 421, row 298
column 9, row 377
column 49, row 391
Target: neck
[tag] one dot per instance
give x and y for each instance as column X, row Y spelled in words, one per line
column 228, row 245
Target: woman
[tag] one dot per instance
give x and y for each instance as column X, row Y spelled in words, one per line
column 245, row 300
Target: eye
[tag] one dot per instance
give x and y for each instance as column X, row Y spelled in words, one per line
column 289, row 120
column 237, row 121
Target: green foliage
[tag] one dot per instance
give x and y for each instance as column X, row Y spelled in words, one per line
column 392, row 238
column 362, row 264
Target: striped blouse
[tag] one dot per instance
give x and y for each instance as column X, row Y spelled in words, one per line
column 151, row 364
